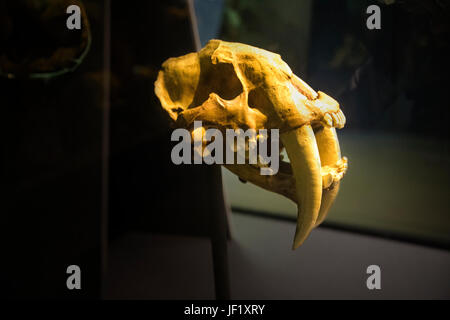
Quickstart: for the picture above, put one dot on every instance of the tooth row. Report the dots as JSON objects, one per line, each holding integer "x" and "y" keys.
{"x": 334, "y": 119}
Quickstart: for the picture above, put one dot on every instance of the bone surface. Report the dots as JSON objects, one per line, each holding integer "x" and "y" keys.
{"x": 230, "y": 85}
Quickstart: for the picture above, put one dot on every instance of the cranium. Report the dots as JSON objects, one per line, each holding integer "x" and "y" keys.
{"x": 233, "y": 85}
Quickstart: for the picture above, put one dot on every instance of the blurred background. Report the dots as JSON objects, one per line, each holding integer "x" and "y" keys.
{"x": 87, "y": 177}
{"x": 391, "y": 84}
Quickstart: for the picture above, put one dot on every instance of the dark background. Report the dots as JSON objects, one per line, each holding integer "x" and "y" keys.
{"x": 85, "y": 155}
{"x": 59, "y": 205}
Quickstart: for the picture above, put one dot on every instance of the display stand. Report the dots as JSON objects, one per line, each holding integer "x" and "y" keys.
{"x": 219, "y": 222}
{"x": 219, "y": 226}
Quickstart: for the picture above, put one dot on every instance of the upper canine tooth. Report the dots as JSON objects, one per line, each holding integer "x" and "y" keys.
{"x": 328, "y": 197}
{"x": 304, "y": 156}
{"x": 330, "y": 155}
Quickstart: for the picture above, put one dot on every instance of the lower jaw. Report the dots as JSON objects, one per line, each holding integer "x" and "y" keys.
{"x": 330, "y": 155}
{"x": 308, "y": 151}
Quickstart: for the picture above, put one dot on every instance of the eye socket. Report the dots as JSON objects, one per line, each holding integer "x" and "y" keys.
{"x": 220, "y": 79}
{"x": 228, "y": 86}
{"x": 257, "y": 99}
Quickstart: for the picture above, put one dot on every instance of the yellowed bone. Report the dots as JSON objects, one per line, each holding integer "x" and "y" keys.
{"x": 230, "y": 85}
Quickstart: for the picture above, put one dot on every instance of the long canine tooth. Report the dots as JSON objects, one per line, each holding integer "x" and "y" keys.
{"x": 328, "y": 197}
{"x": 330, "y": 154}
{"x": 304, "y": 156}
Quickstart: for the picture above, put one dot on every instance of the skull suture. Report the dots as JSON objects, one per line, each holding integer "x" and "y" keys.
{"x": 233, "y": 85}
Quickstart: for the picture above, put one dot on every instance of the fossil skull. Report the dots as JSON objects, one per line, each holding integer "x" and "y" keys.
{"x": 232, "y": 85}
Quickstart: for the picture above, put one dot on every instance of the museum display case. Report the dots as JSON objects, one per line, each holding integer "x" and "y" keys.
{"x": 390, "y": 84}
{"x": 348, "y": 98}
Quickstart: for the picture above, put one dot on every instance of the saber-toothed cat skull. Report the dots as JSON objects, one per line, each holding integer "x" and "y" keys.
{"x": 236, "y": 86}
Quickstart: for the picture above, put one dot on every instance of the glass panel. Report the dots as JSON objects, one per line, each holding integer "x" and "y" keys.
{"x": 52, "y": 114}
{"x": 391, "y": 85}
